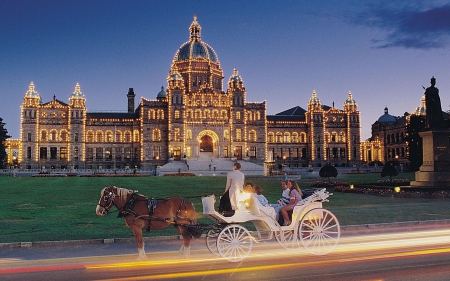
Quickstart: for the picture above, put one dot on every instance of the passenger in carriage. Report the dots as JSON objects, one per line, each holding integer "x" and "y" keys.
{"x": 295, "y": 195}
{"x": 249, "y": 187}
{"x": 235, "y": 183}
{"x": 261, "y": 198}
{"x": 283, "y": 201}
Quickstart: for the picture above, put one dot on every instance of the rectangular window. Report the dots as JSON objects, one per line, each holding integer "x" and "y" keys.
{"x": 176, "y": 135}
{"x": 156, "y": 152}
{"x": 63, "y": 152}
{"x": 177, "y": 114}
{"x": 28, "y": 152}
{"x": 108, "y": 154}
{"x": 76, "y": 137}
{"x": 53, "y": 152}
{"x": 29, "y": 136}
{"x": 118, "y": 153}
{"x": 252, "y": 152}
{"x": 304, "y": 153}
{"x": 127, "y": 152}
{"x": 136, "y": 153}
{"x": 225, "y": 151}
{"x": 279, "y": 153}
{"x": 90, "y": 153}
{"x": 43, "y": 153}
{"x": 98, "y": 153}
{"x": 286, "y": 153}
{"x": 295, "y": 153}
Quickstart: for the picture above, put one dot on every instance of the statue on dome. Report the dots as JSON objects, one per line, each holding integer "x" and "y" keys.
{"x": 434, "y": 118}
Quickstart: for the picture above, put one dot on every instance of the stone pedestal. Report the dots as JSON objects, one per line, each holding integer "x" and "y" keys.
{"x": 435, "y": 170}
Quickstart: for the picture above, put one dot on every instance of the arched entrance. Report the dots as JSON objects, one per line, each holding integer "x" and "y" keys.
{"x": 206, "y": 144}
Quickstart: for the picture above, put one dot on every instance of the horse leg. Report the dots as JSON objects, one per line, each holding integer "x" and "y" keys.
{"x": 139, "y": 243}
{"x": 186, "y": 247}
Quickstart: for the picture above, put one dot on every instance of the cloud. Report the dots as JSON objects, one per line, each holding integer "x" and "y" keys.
{"x": 413, "y": 26}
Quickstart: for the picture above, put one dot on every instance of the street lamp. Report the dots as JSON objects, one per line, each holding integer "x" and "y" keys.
{"x": 156, "y": 164}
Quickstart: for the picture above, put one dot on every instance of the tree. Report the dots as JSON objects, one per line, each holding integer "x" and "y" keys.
{"x": 3, "y": 136}
{"x": 328, "y": 171}
{"x": 389, "y": 170}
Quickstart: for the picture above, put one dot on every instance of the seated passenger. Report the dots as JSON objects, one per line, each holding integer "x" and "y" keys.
{"x": 261, "y": 198}
{"x": 283, "y": 201}
{"x": 295, "y": 194}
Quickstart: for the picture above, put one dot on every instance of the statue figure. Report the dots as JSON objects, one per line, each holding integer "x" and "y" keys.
{"x": 434, "y": 118}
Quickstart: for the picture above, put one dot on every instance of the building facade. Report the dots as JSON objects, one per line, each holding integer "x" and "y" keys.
{"x": 193, "y": 117}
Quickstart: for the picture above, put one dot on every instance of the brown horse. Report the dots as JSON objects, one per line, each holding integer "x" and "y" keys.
{"x": 141, "y": 213}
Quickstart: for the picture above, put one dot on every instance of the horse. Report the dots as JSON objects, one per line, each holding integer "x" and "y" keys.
{"x": 141, "y": 213}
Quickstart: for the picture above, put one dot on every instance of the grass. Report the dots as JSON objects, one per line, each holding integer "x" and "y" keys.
{"x": 53, "y": 209}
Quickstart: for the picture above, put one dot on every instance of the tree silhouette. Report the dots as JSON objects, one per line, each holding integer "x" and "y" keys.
{"x": 328, "y": 171}
{"x": 3, "y": 136}
{"x": 389, "y": 170}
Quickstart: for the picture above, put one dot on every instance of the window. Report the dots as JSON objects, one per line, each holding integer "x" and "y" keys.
{"x": 127, "y": 152}
{"x": 136, "y": 136}
{"x": 156, "y": 152}
{"x": 99, "y": 137}
{"x": 177, "y": 114}
{"x": 238, "y": 135}
{"x": 271, "y": 137}
{"x": 188, "y": 134}
{"x": 287, "y": 137}
{"x": 53, "y": 135}
{"x": 89, "y": 153}
{"x": 176, "y": 134}
{"x": 29, "y": 136}
{"x": 156, "y": 135}
{"x": 238, "y": 115}
{"x": 226, "y": 135}
{"x": 295, "y": 153}
{"x": 127, "y": 136}
{"x": 29, "y": 152}
{"x": 108, "y": 154}
{"x": 99, "y": 153}
{"x": 44, "y": 135}
{"x": 64, "y": 135}
{"x": 252, "y": 135}
{"x": 279, "y": 153}
{"x": 118, "y": 153}
{"x": 318, "y": 152}
{"x": 90, "y": 136}
{"x": 53, "y": 152}
{"x": 63, "y": 152}
{"x": 75, "y": 153}
{"x": 118, "y": 136}
{"x": 279, "y": 137}
{"x": 43, "y": 153}
{"x": 252, "y": 152}
{"x": 109, "y": 136}
{"x": 76, "y": 137}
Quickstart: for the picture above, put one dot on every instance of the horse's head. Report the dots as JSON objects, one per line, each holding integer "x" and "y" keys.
{"x": 106, "y": 201}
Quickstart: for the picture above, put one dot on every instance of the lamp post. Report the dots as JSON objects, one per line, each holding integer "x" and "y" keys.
{"x": 284, "y": 162}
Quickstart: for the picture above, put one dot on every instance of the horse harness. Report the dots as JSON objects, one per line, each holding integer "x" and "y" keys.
{"x": 151, "y": 205}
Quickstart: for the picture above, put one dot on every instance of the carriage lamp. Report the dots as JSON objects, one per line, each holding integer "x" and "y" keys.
{"x": 351, "y": 186}
{"x": 397, "y": 189}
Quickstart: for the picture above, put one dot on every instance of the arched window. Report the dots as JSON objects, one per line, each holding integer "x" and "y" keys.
{"x": 151, "y": 114}
{"x": 249, "y": 116}
{"x": 136, "y": 135}
{"x": 295, "y": 138}
{"x": 99, "y": 136}
{"x": 198, "y": 114}
{"x": 287, "y": 137}
{"x": 271, "y": 137}
{"x": 118, "y": 136}
{"x": 63, "y": 135}
{"x": 156, "y": 135}
{"x": 90, "y": 136}
{"x": 215, "y": 114}
{"x": 44, "y": 135}
{"x": 223, "y": 114}
{"x": 53, "y": 135}
{"x": 258, "y": 115}
{"x": 188, "y": 134}
{"x": 207, "y": 113}
{"x": 160, "y": 114}
{"x": 127, "y": 136}
{"x": 279, "y": 137}
{"x": 109, "y": 136}
{"x": 226, "y": 135}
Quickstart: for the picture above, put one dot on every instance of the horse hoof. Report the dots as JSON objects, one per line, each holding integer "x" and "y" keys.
{"x": 141, "y": 259}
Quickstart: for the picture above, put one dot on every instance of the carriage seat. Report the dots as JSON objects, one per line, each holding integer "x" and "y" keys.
{"x": 259, "y": 210}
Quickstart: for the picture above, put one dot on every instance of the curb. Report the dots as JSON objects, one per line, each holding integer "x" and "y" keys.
{"x": 348, "y": 229}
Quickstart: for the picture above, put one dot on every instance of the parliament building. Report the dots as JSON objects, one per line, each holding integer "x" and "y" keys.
{"x": 192, "y": 117}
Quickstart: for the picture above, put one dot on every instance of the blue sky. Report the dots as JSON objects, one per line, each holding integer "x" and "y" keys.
{"x": 381, "y": 51}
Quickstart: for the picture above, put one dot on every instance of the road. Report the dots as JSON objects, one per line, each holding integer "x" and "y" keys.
{"x": 422, "y": 254}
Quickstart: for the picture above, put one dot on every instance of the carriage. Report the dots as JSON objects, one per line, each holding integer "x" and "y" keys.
{"x": 314, "y": 228}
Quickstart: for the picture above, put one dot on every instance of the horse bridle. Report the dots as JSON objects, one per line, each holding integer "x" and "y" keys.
{"x": 107, "y": 197}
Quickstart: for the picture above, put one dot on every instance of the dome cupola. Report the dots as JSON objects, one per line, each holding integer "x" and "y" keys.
{"x": 195, "y": 48}
{"x": 162, "y": 94}
{"x": 421, "y": 110}
{"x": 386, "y": 117}
{"x": 77, "y": 94}
{"x": 235, "y": 80}
{"x": 314, "y": 101}
{"x": 31, "y": 93}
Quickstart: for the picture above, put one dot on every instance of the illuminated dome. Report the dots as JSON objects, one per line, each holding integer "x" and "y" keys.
{"x": 350, "y": 100}
{"x": 386, "y": 117}
{"x": 314, "y": 99}
{"x": 421, "y": 110}
{"x": 31, "y": 93}
{"x": 77, "y": 93}
{"x": 162, "y": 94}
{"x": 195, "y": 48}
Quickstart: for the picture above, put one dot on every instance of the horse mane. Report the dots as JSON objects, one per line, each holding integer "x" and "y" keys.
{"x": 123, "y": 191}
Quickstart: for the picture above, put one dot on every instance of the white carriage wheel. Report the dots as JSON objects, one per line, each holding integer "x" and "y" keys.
{"x": 211, "y": 238}
{"x": 234, "y": 243}
{"x": 319, "y": 231}
{"x": 287, "y": 237}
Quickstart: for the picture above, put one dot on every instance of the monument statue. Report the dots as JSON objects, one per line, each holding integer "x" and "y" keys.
{"x": 434, "y": 118}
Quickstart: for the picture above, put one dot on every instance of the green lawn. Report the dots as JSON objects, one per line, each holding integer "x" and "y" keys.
{"x": 52, "y": 209}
